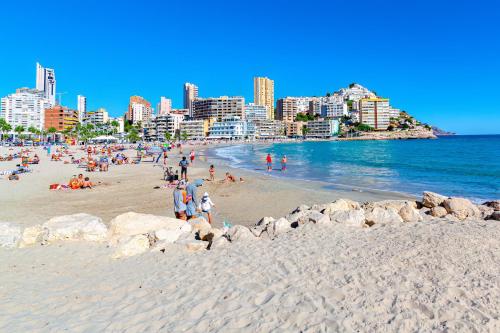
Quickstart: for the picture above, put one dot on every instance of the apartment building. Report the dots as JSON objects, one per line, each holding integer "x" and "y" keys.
{"x": 60, "y": 117}
{"x": 218, "y": 108}
{"x": 374, "y": 112}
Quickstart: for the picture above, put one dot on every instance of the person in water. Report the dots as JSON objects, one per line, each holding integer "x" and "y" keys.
{"x": 269, "y": 161}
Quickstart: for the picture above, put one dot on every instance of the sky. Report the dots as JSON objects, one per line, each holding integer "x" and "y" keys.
{"x": 439, "y": 60}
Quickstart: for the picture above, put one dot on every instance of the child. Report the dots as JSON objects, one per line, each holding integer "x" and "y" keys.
{"x": 211, "y": 171}
{"x": 206, "y": 206}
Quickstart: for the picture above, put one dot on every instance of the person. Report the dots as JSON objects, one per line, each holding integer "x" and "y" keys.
{"x": 165, "y": 155}
{"x": 73, "y": 183}
{"x": 103, "y": 163}
{"x": 211, "y": 171}
{"x": 89, "y": 152}
{"x": 184, "y": 167}
{"x": 283, "y": 163}
{"x": 87, "y": 183}
{"x": 179, "y": 201}
{"x": 191, "y": 200}
{"x": 36, "y": 159}
{"x": 230, "y": 178}
{"x": 191, "y": 157}
{"x": 206, "y": 206}
{"x": 81, "y": 180}
{"x": 269, "y": 161}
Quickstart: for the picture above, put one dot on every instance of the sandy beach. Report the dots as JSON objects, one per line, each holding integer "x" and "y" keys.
{"x": 432, "y": 275}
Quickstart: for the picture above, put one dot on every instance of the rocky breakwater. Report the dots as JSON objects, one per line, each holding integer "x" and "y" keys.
{"x": 132, "y": 234}
{"x": 418, "y": 133}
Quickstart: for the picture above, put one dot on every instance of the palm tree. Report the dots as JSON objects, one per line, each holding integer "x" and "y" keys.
{"x": 115, "y": 124}
{"x": 184, "y": 135}
{"x": 32, "y": 130}
{"x": 305, "y": 130}
{"x": 133, "y": 135}
{"x": 168, "y": 136}
{"x": 4, "y": 127}
{"x": 19, "y": 129}
{"x": 53, "y": 131}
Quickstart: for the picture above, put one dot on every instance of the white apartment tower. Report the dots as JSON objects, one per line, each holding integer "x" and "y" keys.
{"x": 164, "y": 107}
{"x": 82, "y": 107}
{"x": 46, "y": 82}
{"x": 190, "y": 94}
{"x": 26, "y": 107}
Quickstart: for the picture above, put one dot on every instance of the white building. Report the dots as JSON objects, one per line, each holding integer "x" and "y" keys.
{"x": 190, "y": 93}
{"x": 121, "y": 123}
{"x": 322, "y": 128}
{"x": 333, "y": 107}
{"x": 46, "y": 82}
{"x": 374, "y": 112}
{"x": 100, "y": 116}
{"x": 255, "y": 112}
{"x": 229, "y": 128}
{"x": 267, "y": 129}
{"x": 156, "y": 128}
{"x": 138, "y": 112}
{"x": 195, "y": 129}
{"x": 25, "y": 108}
{"x": 81, "y": 107}
{"x": 164, "y": 107}
{"x": 394, "y": 113}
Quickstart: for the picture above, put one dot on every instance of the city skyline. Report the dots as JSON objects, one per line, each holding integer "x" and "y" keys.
{"x": 426, "y": 69}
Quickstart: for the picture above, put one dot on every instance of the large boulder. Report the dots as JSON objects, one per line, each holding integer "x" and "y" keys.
{"x": 409, "y": 214}
{"x": 485, "y": 211}
{"x": 10, "y": 234}
{"x": 495, "y": 204}
{"x": 314, "y": 217}
{"x": 133, "y": 246}
{"x": 461, "y": 208}
{"x": 438, "y": 211}
{"x": 240, "y": 233}
{"x": 218, "y": 243}
{"x": 355, "y": 218}
{"x": 494, "y": 216}
{"x": 380, "y": 215}
{"x": 340, "y": 204}
{"x": 431, "y": 199}
{"x": 34, "y": 235}
{"x": 389, "y": 204}
{"x": 131, "y": 224}
{"x": 201, "y": 226}
{"x": 75, "y": 227}
{"x": 278, "y": 227}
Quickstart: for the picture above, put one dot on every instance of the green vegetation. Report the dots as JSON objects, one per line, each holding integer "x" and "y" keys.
{"x": 305, "y": 130}
{"x": 133, "y": 134}
{"x": 304, "y": 117}
{"x": 352, "y": 85}
{"x": 364, "y": 128}
{"x": 168, "y": 136}
{"x": 184, "y": 136}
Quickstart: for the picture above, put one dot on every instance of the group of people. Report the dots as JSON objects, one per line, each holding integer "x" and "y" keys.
{"x": 186, "y": 204}
{"x": 269, "y": 162}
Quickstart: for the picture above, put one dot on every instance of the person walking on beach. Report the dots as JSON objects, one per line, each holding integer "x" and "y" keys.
{"x": 206, "y": 206}
{"x": 283, "y": 163}
{"x": 211, "y": 171}
{"x": 191, "y": 157}
{"x": 269, "y": 161}
{"x": 191, "y": 198}
{"x": 184, "y": 167}
{"x": 180, "y": 201}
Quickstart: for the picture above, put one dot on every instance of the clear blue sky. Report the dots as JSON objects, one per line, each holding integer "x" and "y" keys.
{"x": 439, "y": 60}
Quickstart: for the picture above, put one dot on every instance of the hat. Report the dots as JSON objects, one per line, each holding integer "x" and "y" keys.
{"x": 181, "y": 184}
{"x": 205, "y": 194}
{"x": 198, "y": 182}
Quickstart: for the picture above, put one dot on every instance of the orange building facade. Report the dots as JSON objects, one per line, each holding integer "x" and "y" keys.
{"x": 60, "y": 117}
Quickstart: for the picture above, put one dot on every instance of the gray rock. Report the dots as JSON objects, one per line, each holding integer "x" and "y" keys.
{"x": 431, "y": 199}
{"x": 34, "y": 235}
{"x": 355, "y": 218}
{"x": 135, "y": 245}
{"x": 76, "y": 227}
{"x": 314, "y": 217}
{"x": 278, "y": 227}
{"x": 240, "y": 233}
{"x": 10, "y": 234}
{"x": 301, "y": 208}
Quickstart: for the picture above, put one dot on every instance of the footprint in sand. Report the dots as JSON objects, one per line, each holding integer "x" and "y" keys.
{"x": 264, "y": 297}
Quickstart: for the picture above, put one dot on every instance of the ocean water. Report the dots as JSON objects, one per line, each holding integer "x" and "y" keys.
{"x": 467, "y": 166}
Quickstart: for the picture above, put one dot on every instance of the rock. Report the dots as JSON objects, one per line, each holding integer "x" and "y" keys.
{"x": 201, "y": 226}
{"x": 136, "y": 245}
{"x": 265, "y": 221}
{"x": 431, "y": 199}
{"x": 355, "y": 218}
{"x": 495, "y": 204}
{"x": 218, "y": 233}
{"x": 34, "y": 235}
{"x": 379, "y": 215}
{"x": 294, "y": 217}
{"x": 219, "y": 243}
{"x": 461, "y": 208}
{"x": 319, "y": 208}
{"x": 495, "y": 216}
{"x": 10, "y": 234}
{"x": 195, "y": 245}
{"x": 485, "y": 211}
{"x": 131, "y": 224}
{"x": 301, "y": 208}
{"x": 314, "y": 217}
{"x": 340, "y": 204}
{"x": 76, "y": 227}
{"x": 386, "y": 204}
{"x": 438, "y": 211}
{"x": 240, "y": 233}
{"x": 278, "y": 227}
{"x": 409, "y": 214}
{"x": 167, "y": 235}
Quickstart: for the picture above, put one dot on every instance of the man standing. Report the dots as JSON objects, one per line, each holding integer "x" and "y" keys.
{"x": 269, "y": 162}
{"x": 180, "y": 201}
{"x": 184, "y": 167}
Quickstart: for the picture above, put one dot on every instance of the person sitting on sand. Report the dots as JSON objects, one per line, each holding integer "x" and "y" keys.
{"x": 81, "y": 180}
{"x": 36, "y": 159}
{"x": 74, "y": 183}
{"x": 211, "y": 171}
{"x": 87, "y": 183}
{"x": 206, "y": 206}
{"x": 91, "y": 165}
{"x": 229, "y": 178}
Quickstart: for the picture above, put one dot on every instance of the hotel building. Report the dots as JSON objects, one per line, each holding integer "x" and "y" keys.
{"x": 60, "y": 117}
{"x": 139, "y": 110}
{"x": 46, "y": 82}
{"x": 26, "y": 107}
{"x": 190, "y": 93}
{"x": 374, "y": 112}
{"x": 218, "y": 108}
{"x": 255, "y": 112}
{"x": 288, "y": 107}
{"x": 82, "y": 107}
{"x": 263, "y": 94}
{"x": 164, "y": 107}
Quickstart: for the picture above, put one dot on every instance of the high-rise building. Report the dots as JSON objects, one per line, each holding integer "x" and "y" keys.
{"x": 46, "y": 82}
{"x": 288, "y": 107}
{"x": 263, "y": 94}
{"x": 164, "y": 107}
{"x": 60, "y": 117}
{"x": 256, "y": 112}
{"x": 333, "y": 107}
{"x": 218, "y": 108}
{"x": 81, "y": 107}
{"x": 139, "y": 109}
{"x": 190, "y": 94}
{"x": 26, "y": 107}
{"x": 375, "y": 112}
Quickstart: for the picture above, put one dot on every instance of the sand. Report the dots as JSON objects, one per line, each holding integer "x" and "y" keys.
{"x": 426, "y": 276}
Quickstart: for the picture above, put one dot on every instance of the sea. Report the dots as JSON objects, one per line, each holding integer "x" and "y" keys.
{"x": 462, "y": 165}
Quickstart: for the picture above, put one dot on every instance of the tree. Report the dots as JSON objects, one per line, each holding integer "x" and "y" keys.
{"x": 328, "y": 94}
{"x": 53, "y": 131}
{"x": 133, "y": 135}
{"x": 364, "y": 128}
{"x": 4, "y": 127}
{"x": 305, "y": 130}
{"x": 352, "y": 85}
{"x": 115, "y": 124}
{"x": 19, "y": 129}
{"x": 184, "y": 135}
{"x": 168, "y": 136}
{"x": 32, "y": 130}
{"x": 304, "y": 117}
